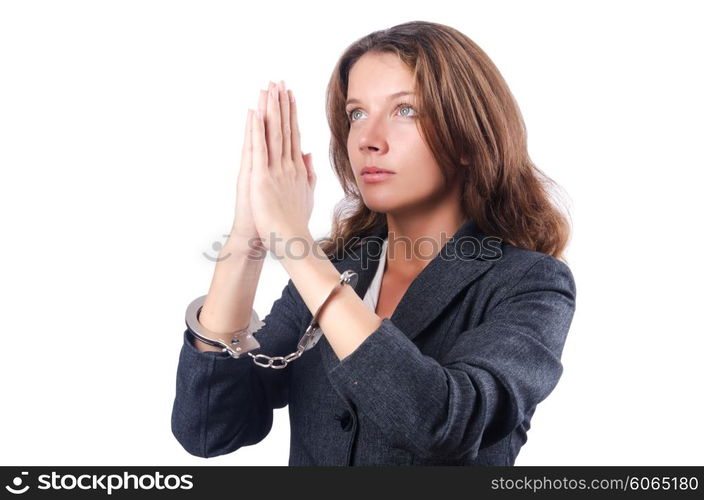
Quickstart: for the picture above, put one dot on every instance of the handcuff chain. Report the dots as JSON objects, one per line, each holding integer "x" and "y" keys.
{"x": 307, "y": 341}
{"x": 271, "y": 360}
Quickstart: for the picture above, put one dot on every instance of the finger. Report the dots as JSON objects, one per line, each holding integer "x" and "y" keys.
{"x": 261, "y": 106}
{"x": 285, "y": 125}
{"x": 295, "y": 132}
{"x": 273, "y": 128}
{"x": 260, "y": 159}
{"x": 246, "y": 159}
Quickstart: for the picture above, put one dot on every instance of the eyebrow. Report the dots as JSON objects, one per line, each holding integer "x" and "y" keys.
{"x": 388, "y": 98}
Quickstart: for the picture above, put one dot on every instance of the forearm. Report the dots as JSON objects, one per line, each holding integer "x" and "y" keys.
{"x": 228, "y": 306}
{"x": 345, "y": 320}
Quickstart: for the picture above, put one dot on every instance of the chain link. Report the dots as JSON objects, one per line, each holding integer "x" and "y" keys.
{"x": 271, "y": 360}
{"x": 309, "y": 339}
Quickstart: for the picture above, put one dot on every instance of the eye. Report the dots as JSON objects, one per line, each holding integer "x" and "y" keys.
{"x": 350, "y": 115}
{"x": 407, "y": 106}
{"x": 403, "y": 105}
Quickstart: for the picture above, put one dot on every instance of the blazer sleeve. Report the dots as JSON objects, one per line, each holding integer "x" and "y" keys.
{"x": 480, "y": 388}
{"x": 223, "y": 403}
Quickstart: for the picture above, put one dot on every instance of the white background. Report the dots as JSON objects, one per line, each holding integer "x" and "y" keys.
{"x": 121, "y": 125}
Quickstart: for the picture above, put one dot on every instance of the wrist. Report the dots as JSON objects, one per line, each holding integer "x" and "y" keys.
{"x": 240, "y": 246}
{"x": 293, "y": 244}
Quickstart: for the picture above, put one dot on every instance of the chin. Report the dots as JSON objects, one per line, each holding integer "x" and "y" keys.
{"x": 380, "y": 205}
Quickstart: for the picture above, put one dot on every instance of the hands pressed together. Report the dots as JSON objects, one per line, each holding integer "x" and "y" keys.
{"x": 276, "y": 181}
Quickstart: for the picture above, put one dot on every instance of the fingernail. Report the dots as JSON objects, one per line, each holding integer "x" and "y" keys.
{"x": 290, "y": 96}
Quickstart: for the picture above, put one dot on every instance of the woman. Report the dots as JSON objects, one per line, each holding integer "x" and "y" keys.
{"x": 441, "y": 351}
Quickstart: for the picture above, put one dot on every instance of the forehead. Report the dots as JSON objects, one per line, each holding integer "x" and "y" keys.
{"x": 376, "y": 74}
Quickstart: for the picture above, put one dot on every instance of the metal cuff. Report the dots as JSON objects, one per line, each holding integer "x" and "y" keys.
{"x": 242, "y": 340}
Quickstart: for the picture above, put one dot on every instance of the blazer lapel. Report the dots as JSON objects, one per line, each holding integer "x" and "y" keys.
{"x": 457, "y": 265}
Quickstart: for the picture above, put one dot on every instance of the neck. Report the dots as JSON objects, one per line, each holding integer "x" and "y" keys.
{"x": 415, "y": 240}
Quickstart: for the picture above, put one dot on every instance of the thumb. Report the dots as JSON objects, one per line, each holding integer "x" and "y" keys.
{"x": 308, "y": 160}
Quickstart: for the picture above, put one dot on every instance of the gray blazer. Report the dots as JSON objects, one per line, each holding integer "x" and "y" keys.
{"x": 452, "y": 378}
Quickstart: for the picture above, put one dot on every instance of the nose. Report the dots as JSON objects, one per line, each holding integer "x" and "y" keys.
{"x": 372, "y": 135}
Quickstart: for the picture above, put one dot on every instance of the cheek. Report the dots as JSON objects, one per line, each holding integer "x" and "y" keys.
{"x": 353, "y": 152}
{"x": 420, "y": 160}
{"x": 422, "y": 178}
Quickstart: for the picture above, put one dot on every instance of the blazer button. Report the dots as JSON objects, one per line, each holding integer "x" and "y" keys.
{"x": 345, "y": 419}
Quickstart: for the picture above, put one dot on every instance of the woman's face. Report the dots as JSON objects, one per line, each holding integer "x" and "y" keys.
{"x": 385, "y": 133}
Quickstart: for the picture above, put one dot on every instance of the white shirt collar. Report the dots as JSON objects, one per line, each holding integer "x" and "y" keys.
{"x": 371, "y": 297}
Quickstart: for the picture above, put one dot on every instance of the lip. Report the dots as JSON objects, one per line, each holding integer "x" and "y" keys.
{"x": 376, "y": 177}
{"x": 372, "y": 174}
{"x": 371, "y": 169}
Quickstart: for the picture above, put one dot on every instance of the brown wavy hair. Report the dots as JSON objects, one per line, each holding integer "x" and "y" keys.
{"x": 473, "y": 127}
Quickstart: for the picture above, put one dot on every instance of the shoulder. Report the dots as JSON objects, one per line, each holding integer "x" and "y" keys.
{"x": 514, "y": 266}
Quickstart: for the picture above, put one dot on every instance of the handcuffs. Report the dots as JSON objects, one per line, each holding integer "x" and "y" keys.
{"x": 243, "y": 341}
